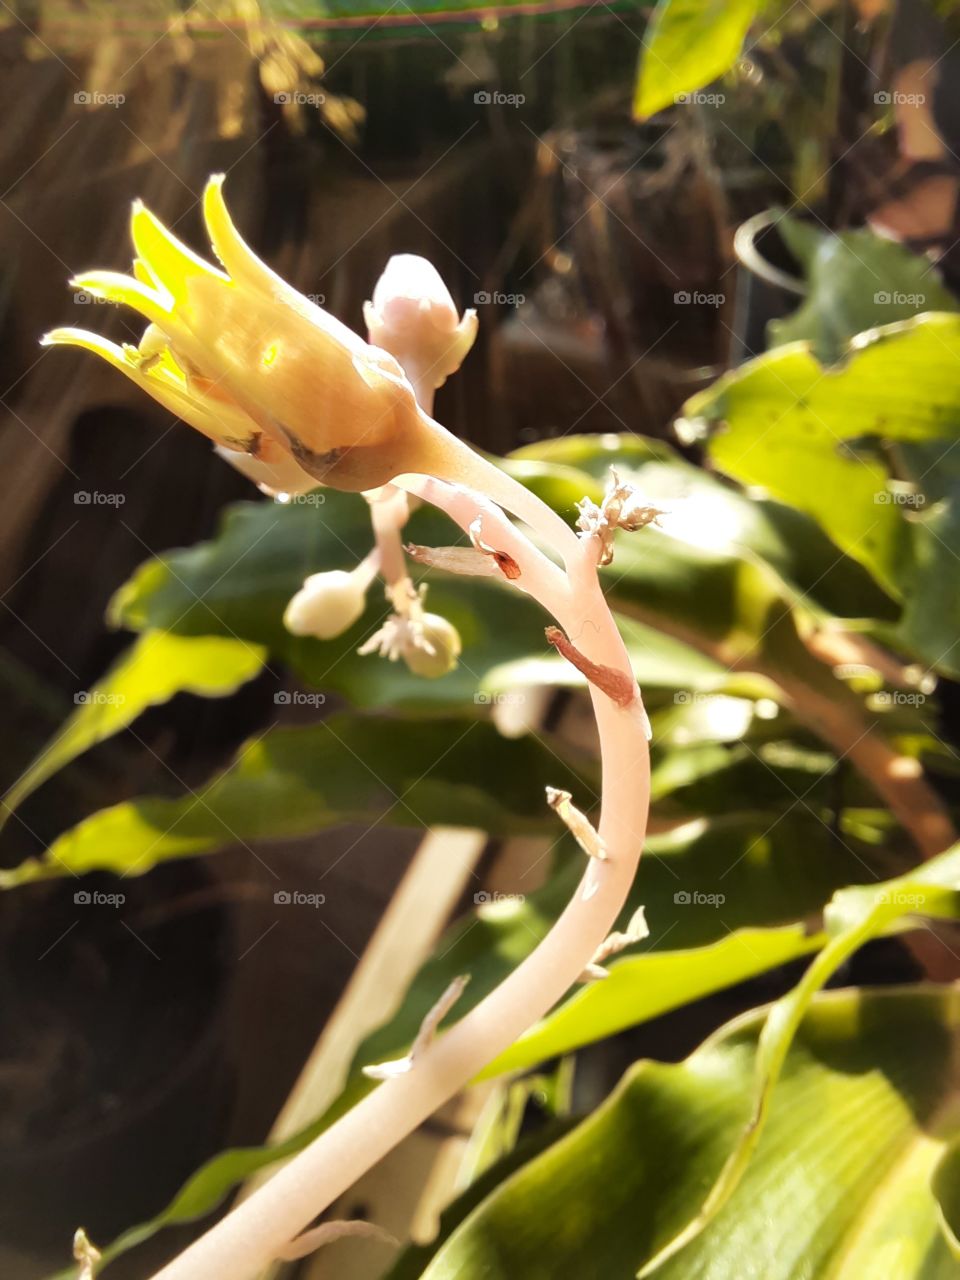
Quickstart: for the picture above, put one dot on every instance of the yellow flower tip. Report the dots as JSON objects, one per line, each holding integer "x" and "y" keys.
{"x": 238, "y": 258}
{"x": 165, "y": 257}
{"x": 69, "y": 337}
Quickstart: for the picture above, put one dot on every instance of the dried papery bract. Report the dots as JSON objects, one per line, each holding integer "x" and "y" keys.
{"x": 424, "y": 1038}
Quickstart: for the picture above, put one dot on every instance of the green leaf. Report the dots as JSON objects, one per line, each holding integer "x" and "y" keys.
{"x": 157, "y": 666}
{"x": 839, "y": 1185}
{"x": 688, "y": 44}
{"x": 707, "y": 513}
{"x": 291, "y": 782}
{"x": 946, "y": 1188}
{"x": 642, "y": 987}
{"x": 787, "y": 423}
{"x": 930, "y": 625}
{"x": 855, "y": 281}
{"x": 853, "y": 917}
{"x": 240, "y": 582}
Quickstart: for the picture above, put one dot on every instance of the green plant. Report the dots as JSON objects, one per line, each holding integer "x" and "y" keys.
{"x": 786, "y": 613}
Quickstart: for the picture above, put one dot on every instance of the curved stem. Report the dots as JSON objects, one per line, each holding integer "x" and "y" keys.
{"x": 455, "y": 461}
{"x": 254, "y": 1232}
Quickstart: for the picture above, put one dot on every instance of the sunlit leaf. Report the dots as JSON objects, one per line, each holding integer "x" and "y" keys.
{"x": 291, "y": 782}
{"x": 157, "y": 666}
{"x": 855, "y": 281}
{"x": 839, "y": 1185}
{"x": 688, "y": 44}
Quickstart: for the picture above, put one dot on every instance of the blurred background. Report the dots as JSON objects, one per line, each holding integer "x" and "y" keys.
{"x": 599, "y": 251}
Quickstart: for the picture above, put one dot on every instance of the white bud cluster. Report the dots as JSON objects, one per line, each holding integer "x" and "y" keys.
{"x": 623, "y": 507}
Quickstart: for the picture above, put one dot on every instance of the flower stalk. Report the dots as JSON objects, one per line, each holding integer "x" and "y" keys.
{"x": 292, "y": 394}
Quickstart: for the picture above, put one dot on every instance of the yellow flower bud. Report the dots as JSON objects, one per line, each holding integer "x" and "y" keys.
{"x": 434, "y": 650}
{"x": 247, "y": 360}
{"x": 327, "y": 604}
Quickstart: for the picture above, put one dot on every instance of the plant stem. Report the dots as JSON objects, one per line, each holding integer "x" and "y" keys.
{"x": 254, "y": 1233}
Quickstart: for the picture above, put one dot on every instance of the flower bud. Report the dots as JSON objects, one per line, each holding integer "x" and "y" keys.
{"x": 434, "y": 650}
{"x": 413, "y": 317}
{"x": 326, "y": 605}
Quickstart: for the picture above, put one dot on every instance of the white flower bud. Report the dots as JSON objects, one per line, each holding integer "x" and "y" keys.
{"x": 434, "y": 649}
{"x": 327, "y": 604}
{"x": 413, "y": 316}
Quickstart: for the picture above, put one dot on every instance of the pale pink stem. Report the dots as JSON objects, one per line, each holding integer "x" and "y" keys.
{"x": 255, "y": 1232}
{"x": 389, "y": 511}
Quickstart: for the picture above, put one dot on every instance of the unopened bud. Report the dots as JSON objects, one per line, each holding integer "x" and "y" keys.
{"x": 326, "y": 605}
{"x": 434, "y": 650}
{"x": 413, "y": 316}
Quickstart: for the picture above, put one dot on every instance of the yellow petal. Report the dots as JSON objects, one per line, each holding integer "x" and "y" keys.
{"x": 247, "y": 269}
{"x": 221, "y": 421}
{"x": 113, "y": 286}
{"x": 166, "y": 257}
